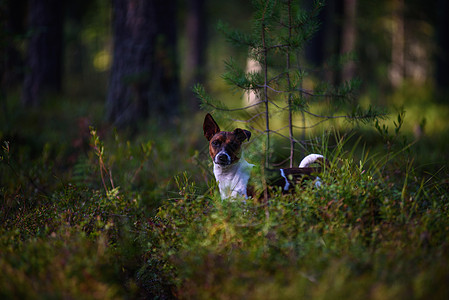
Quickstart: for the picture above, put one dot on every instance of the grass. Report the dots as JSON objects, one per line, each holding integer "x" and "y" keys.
{"x": 92, "y": 213}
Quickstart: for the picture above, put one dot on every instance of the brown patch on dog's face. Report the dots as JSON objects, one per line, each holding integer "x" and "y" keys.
{"x": 224, "y": 146}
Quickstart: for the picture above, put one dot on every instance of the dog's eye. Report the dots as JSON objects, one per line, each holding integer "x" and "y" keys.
{"x": 216, "y": 143}
{"x": 234, "y": 145}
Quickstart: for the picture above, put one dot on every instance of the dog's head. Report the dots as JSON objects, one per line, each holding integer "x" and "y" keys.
{"x": 224, "y": 146}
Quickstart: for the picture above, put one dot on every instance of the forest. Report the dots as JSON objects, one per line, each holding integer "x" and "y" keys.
{"x": 107, "y": 188}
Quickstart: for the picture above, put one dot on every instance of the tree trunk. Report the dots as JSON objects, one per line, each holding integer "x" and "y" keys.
{"x": 348, "y": 37}
{"x": 442, "y": 55}
{"x": 144, "y": 75}
{"x": 325, "y": 42}
{"x": 12, "y": 25}
{"x": 397, "y": 45}
{"x": 44, "y": 56}
{"x": 196, "y": 38}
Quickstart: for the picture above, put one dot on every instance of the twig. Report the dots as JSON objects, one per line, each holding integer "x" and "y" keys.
{"x": 290, "y": 96}
{"x": 337, "y": 117}
{"x": 250, "y": 119}
{"x": 282, "y": 162}
{"x": 234, "y": 109}
{"x": 304, "y": 91}
{"x": 310, "y": 126}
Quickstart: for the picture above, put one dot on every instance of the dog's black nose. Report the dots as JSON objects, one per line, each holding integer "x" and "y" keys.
{"x": 223, "y": 159}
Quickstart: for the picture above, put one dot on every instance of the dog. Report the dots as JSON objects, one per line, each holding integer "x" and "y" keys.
{"x": 232, "y": 171}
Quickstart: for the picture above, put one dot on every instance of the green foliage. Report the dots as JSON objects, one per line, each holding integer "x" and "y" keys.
{"x": 73, "y": 201}
{"x": 280, "y": 30}
{"x": 116, "y": 223}
{"x": 237, "y": 77}
{"x": 363, "y": 231}
{"x": 93, "y": 213}
{"x": 393, "y": 141}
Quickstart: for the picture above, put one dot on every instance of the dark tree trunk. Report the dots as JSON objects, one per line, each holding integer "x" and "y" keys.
{"x": 144, "y": 75}
{"x": 442, "y": 55}
{"x": 397, "y": 67}
{"x": 325, "y": 42}
{"x": 44, "y": 56}
{"x": 12, "y": 25}
{"x": 196, "y": 33}
{"x": 348, "y": 37}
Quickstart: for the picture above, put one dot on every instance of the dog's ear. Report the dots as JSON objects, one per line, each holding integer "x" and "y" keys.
{"x": 242, "y": 134}
{"x": 210, "y": 127}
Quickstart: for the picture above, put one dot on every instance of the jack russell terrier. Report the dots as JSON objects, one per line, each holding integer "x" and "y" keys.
{"x": 232, "y": 171}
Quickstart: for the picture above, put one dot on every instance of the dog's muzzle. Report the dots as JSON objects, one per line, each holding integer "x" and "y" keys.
{"x": 222, "y": 158}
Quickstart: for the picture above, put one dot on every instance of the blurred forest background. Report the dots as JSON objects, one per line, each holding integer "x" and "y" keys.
{"x": 98, "y": 121}
{"x": 121, "y": 62}
{"x": 125, "y": 61}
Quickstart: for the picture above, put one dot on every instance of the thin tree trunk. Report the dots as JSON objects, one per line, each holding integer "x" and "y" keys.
{"x": 44, "y": 56}
{"x": 252, "y": 96}
{"x": 397, "y": 45}
{"x": 290, "y": 93}
{"x": 12, "y": 25}
{"x": 325, "y": 42}
{"x": 196, "y": 36}
{"x": 442, "y": 57}
{"x": 348, "y": 37}
{"x": 265, "y": 97}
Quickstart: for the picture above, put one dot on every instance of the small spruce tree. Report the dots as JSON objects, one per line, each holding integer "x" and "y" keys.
{"x": 280, "y": 32}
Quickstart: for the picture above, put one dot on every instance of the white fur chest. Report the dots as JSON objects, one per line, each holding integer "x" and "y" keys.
{"x": 233, "y": 179}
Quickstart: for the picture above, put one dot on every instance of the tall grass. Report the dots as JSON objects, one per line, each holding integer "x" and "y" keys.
{"x": 364, "y": 234}
{"x": 125, "y": 218}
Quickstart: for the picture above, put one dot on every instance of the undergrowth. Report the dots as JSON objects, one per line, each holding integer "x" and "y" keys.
{"x": 363, "y": 235}
{"x": 111, "y": 219}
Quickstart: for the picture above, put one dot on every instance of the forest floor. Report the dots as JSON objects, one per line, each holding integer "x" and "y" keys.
{"x": 95, "y": 213}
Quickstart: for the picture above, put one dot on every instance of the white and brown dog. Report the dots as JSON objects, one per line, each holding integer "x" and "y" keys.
{"x": 232, "y": 171}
